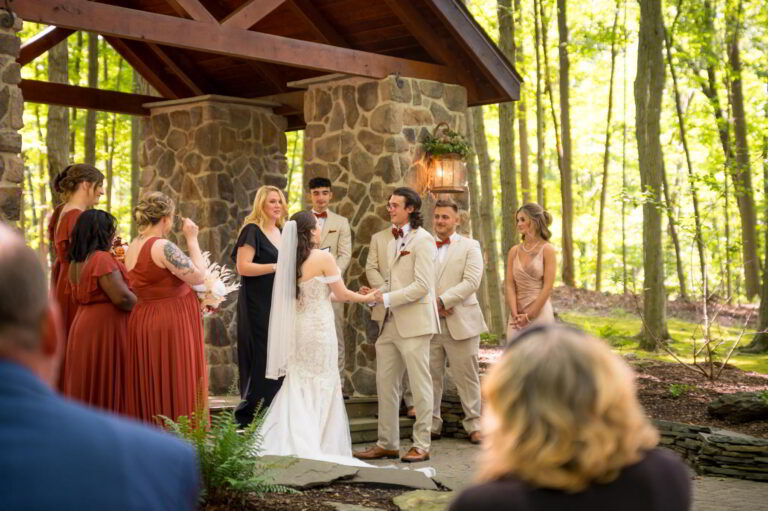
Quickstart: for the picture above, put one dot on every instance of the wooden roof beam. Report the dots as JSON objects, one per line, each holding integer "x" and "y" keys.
{"x": 41, "y": 43}
{"x": 50, "y": 93}
{"x": 146, "y": 71}
{"x": 421, "y": 31}
{"x": 317, "y": 22}
{"x": 181, "y": 33}
{"x": 250, "y": 13}
{"x": 174, "y": 68}
{"x": 192, "y": 8}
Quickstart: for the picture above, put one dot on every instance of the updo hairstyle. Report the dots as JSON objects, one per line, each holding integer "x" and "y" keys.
{"x": 67, "y": 181}
{"x": 151, "y": 209}
{"x": 540, "y": 217}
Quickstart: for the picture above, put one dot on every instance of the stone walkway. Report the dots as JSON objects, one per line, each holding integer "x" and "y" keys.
{"x": 454, "y": 461}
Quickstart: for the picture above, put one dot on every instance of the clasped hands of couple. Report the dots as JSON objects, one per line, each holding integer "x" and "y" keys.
{"x": 379, "y": 298}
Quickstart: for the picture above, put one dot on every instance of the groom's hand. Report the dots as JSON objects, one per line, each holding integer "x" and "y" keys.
{"x": 364, "y": 290}
{"x": 379, "y": 296}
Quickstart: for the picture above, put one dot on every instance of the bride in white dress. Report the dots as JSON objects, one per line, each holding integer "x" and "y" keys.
{"x": 307, "y": 418}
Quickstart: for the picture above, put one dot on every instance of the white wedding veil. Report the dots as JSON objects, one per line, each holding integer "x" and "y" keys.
{"x": 282, "y": 317}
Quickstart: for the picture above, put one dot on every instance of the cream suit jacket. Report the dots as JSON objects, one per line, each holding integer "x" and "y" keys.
{"x": 377, "y": 267}
{"x": 411, "y": 284}
{"x": 458, "y": 278}
{"x": 337, "y": 237}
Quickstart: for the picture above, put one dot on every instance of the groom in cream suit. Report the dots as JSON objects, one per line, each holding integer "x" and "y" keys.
{"x": 459, "y": 271}
{"x": 411, "y": 320}
{"x": 336, "y": 238}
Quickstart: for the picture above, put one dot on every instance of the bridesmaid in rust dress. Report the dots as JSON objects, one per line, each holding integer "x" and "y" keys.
{"x": 81, "y": 187}
{"x": 165, "y": 370}
{"x": 531, "y": 268}
{"x": 96, "y": 346}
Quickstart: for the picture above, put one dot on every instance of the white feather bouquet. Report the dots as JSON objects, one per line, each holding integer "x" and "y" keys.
{"x": 219, "y": 282}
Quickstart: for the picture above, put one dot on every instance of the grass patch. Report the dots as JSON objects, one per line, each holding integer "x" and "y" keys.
{"x": 619, "y": 330}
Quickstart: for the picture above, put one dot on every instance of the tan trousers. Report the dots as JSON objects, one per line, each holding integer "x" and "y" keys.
{"x": 464, "y": 369}
{"x": 395, "y": 355}
{"x": 338, "y": 318}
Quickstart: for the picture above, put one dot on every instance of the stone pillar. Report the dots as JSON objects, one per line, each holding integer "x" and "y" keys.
{"x": 211, "y": 154}
{"x": 364, "y": 135}
{"x": 11, "y": 121}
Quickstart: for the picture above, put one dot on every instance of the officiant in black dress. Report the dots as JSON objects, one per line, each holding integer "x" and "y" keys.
{"x": 255, "y": 256}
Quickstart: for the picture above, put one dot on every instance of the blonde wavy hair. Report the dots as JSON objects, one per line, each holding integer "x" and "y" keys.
{"x": 257, "y": 215}
{"x": 540, "y": 217}
{"x": 562, "y": 412}
{"x": 152, "y": 207}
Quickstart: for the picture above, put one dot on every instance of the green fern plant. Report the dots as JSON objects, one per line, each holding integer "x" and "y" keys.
{"x": 230, "y": 465}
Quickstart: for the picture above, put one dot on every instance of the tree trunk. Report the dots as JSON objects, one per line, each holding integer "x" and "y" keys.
{"x": 669, "y": 208}
{"x": 760, "y": 341}
{"x": 140, "y": 86}
{"x": 606, "y": 154}
{"x": 507, "y": 162}
{"x": 58, "y": 120}
{"x": 566, "y": 177}
{"x": 525, "y": 173}
{"x": 691, "y": 177}
{"x": 649, "y": 86}
{"x": 540, "y": 119}
{"x": 112, "y": 138}
{"x": 93, "y": 81}
{"x": 474, "y": 209}
{"x": 489, "y": 224}
{"x": 77, "y": 58}
{"x": 741, "y": 175}
{"x": 625, "y": 279}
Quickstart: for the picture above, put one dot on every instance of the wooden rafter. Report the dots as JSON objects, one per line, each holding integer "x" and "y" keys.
{"x": 421, "y": 30}
{"x": 177, "y": 32}
{"x": 174, "y": 68}
{"x": 250, "y": 13}
{"x": 147, "y": 72}
{"x": 476, "y": 42}
{"x": 51, "y": 93}
{"x": 317, "y": 22}
{"x": 41, "y": 43}
{"x": 192, "y": 8}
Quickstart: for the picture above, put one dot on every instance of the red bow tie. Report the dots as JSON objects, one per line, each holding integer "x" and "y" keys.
{"x": 324, "y": 214}
{"x": 397, "y": 232}
{"x": 439, "y": 243}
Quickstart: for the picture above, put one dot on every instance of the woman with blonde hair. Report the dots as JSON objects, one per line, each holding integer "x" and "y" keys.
{"x": 531, "y": 267}
{"x": 255, "y": 256}
{"x": 563, "y": 429}
{"x": 165, "y": 372}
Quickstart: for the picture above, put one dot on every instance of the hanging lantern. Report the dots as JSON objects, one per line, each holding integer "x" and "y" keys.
{"x": 446, "y": 151}
{"x": 448, "y": 173}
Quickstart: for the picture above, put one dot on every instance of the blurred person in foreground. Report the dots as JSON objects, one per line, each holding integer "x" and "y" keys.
{"x": 563, "y": 429}
{"x": 55, "y": 454}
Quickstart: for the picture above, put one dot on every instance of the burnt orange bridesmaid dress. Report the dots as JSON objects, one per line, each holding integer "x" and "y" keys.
{"x": 97, "y": 338}
{"x": 62, "y": 288}
{"x": 165, "y": 371}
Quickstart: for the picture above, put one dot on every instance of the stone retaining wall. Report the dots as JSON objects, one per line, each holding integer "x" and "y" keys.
{"x": 11, "y": 121}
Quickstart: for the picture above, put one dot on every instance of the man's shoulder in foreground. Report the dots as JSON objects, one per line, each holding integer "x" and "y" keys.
{"x": 55, "y": 453}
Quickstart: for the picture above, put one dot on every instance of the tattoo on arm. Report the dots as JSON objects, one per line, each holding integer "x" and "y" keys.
{"x": 177, "y": 258}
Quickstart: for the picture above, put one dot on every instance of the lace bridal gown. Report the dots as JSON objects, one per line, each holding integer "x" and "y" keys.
{"x": 307, "y": 417}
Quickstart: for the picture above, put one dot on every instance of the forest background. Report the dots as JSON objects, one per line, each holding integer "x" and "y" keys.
{"x": 570, "y": 144}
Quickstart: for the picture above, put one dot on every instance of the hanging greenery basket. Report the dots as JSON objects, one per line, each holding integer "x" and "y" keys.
{"x": 446, "y": 151}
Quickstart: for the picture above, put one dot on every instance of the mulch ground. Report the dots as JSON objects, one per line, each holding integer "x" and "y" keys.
{"x": 377, "y": 497}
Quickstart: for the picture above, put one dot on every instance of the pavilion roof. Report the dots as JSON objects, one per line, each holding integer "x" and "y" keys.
{"x": 262, "y": 48}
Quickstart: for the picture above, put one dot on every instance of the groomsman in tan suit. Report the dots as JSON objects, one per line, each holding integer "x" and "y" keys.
{"x": 377, "y": 273}
{"x": 335, "y": 237}
{"x": 411, "y": 320}
{"x": 459, "y": 271}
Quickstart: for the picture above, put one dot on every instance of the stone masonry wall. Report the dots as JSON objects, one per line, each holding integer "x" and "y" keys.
{"x": 364, "y": 135}
{"x": 11, "y": 121}
{"x": 211, "y": 154}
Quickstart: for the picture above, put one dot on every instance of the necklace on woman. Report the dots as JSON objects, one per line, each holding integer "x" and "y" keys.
{"x": 529, "y": 250}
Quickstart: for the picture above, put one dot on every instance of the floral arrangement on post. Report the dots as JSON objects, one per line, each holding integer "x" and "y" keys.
{"x": 219, "y": 282}
{"x": 118, "y": 249}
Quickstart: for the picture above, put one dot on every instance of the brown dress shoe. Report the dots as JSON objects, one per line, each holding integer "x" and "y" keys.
{"x": 474, "y": 437}
{"x": 435, "y": 436}
{"x": 411, "y": 412}
{"x": 415, "y": 455}
{"x": 376, "y": 453}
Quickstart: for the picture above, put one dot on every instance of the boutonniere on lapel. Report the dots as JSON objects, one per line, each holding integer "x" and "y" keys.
{"x": 404, "y": 253}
